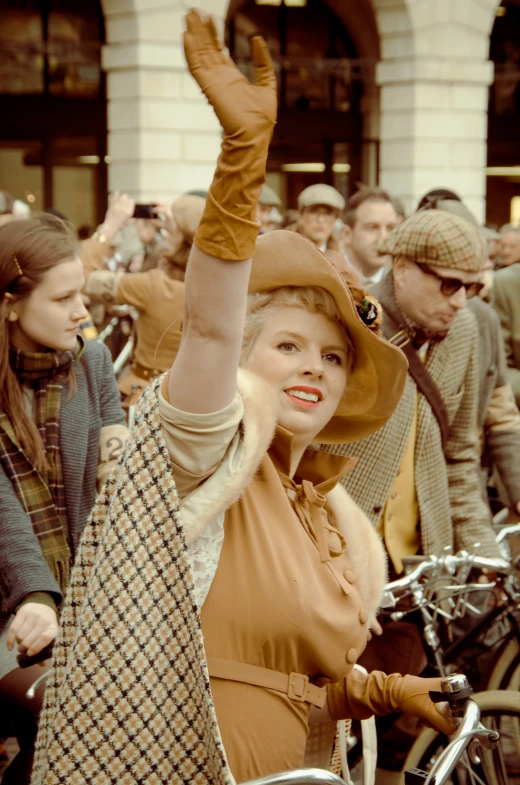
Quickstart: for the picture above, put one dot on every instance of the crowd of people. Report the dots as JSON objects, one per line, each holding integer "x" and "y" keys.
{"x": 318, "y": 395}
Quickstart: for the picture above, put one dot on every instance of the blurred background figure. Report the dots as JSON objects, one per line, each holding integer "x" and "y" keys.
{"x": 509, "y": 245}
{"x": 319, "y": 207}
{"x": 269, "y": 213}
{"x": 289, "y": 219}
{"x": 400, "y": 210}
{"x": 370, "y": 216}
{"x": 493, "y": 243}
{"x": 506, "y": 300}
{"x": 6, "y": 207}
{"x": 435, "y": 194}
{"x": 21, "y": 209}
{"x": 156, "y": 294}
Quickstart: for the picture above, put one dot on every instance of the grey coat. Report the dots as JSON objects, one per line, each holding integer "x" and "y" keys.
{"x": 95, "y": 404}
{"x": 498, "y": 416}
{"x": 506, "y": 296}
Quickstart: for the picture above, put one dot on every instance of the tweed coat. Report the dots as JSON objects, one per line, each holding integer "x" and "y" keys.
{"x": 94, "y": 404}
{"x": 452, "y": 510}
{"x": 506, "y": 296}
{"x": 498, "y": 416}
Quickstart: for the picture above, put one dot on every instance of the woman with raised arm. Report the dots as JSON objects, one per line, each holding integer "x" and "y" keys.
{"x": 228, "y": 547}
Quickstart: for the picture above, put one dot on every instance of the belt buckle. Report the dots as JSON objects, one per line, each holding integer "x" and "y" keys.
{"x": 297, "y": 688}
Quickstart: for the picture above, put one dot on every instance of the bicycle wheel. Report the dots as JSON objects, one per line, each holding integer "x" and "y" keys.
{"x": 506, "y": 670}
{"x": 501, "y": 712}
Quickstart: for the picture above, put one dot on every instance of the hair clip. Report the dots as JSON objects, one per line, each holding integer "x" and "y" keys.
{"x": 17, "y": 263}
{"x": 368, "y": 311}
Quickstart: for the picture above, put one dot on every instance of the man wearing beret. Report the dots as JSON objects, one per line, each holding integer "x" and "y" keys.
{"x": 319, "y": 207}
{"x": 418, "y": 477}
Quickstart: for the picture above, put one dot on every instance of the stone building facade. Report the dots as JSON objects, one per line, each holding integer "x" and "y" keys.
{"x": 428, "y": 107}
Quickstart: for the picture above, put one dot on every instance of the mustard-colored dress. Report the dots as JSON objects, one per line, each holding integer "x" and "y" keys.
{"x": 285, "y": 598}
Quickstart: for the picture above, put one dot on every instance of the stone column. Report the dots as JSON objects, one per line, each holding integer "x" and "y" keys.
{"x": 163, "y": 137}
{"x": 434, "y": 78}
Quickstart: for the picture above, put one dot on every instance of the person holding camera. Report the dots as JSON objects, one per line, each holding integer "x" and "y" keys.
{"x": 157, "y": 294}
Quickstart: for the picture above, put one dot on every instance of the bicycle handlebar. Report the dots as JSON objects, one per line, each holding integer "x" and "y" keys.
{"x": 462, "y": 738}
{"x": 451, "y": 562}
{"x": 507, "y": 531}
{"x": 299, "y": 777}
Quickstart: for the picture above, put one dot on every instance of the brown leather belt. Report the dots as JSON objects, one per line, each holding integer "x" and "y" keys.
{"x": 295, "y": 685}
{"x": 145, "y": 373}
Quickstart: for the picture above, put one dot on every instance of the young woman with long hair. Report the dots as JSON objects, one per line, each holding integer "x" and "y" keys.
{"x": 228, "y": 549}
{"x": 61, "y": 430}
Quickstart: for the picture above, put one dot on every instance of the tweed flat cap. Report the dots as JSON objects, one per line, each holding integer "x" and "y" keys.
{"x": 321, "y": 194}
{"x": 439, "y": 238}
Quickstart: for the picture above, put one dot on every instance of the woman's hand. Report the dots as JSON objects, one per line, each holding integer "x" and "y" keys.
{"x": 166, "y": 221}
{"x": 410, "y": 695}
{"x": 33, "y": 628}
{"x": 242, "y": 108}
{"x": 120, "y": 210}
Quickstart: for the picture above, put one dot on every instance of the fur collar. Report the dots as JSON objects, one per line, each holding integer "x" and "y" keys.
{"x": 227, "y": 483}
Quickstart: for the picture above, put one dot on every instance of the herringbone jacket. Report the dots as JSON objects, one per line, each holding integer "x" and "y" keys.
{"x": 452, "y": 510}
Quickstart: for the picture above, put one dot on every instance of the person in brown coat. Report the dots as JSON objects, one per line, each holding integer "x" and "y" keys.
{"x": 157, "y": 294}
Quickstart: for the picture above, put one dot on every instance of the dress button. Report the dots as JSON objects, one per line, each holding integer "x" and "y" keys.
{"x": 363, "y": 616}
{"x": 349, "y": 576}
{"x": 351, "y": 655}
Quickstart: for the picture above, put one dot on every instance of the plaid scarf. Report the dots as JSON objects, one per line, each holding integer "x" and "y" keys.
{"x": 42, "y": 493}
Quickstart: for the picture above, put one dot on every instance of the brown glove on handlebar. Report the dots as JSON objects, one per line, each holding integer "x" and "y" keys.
{"x": 247, "y": 114}
{"x": 361, "y": 695}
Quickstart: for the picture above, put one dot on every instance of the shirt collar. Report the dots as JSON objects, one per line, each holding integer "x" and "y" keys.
{"x": 322, "y": 469}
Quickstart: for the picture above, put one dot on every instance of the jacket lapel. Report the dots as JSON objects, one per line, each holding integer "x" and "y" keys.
{"x": 74, "y": 436}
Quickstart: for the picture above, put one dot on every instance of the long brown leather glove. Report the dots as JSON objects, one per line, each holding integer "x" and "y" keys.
{"x": 247, "y": 114}
{"x": 362, "y": 695}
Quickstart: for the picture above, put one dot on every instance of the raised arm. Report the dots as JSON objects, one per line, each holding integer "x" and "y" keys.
{"x": 203, "y": 377}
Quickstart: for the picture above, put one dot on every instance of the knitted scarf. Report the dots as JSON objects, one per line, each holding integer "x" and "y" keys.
{"x": 128, "y": 700}
{"x": 385, "y": 292}
{"x": 42, "y": 493}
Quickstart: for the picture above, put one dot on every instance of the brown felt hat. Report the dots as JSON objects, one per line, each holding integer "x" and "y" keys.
{"x": 377, "y": 378}
{"x": 439, "y": 238}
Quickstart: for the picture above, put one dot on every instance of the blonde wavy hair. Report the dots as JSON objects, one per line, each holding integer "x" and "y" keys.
{"x": 313, "y": 299}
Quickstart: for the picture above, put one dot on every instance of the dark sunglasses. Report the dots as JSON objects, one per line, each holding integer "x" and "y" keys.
{"x": 450, "y": 286}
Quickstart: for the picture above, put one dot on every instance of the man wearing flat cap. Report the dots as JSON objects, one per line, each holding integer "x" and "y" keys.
{"x": 268, "y": 210}
{"x": 319, "y": 207}
{"x": 418, "y": 477}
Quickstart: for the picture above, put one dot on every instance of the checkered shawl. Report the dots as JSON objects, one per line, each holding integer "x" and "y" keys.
{"x": 129, "y": 699}
{"x": 42, "y": 493}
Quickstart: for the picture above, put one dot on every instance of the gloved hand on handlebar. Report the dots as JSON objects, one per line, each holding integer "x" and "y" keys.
{"x": 361, "y": 695}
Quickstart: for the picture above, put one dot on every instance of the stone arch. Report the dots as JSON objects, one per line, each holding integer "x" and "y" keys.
{"x": 361, "y": 26}
{"x": 394, "y": 26}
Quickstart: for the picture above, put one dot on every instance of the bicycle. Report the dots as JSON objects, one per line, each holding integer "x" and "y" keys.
{"x": 439, "y": 589}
